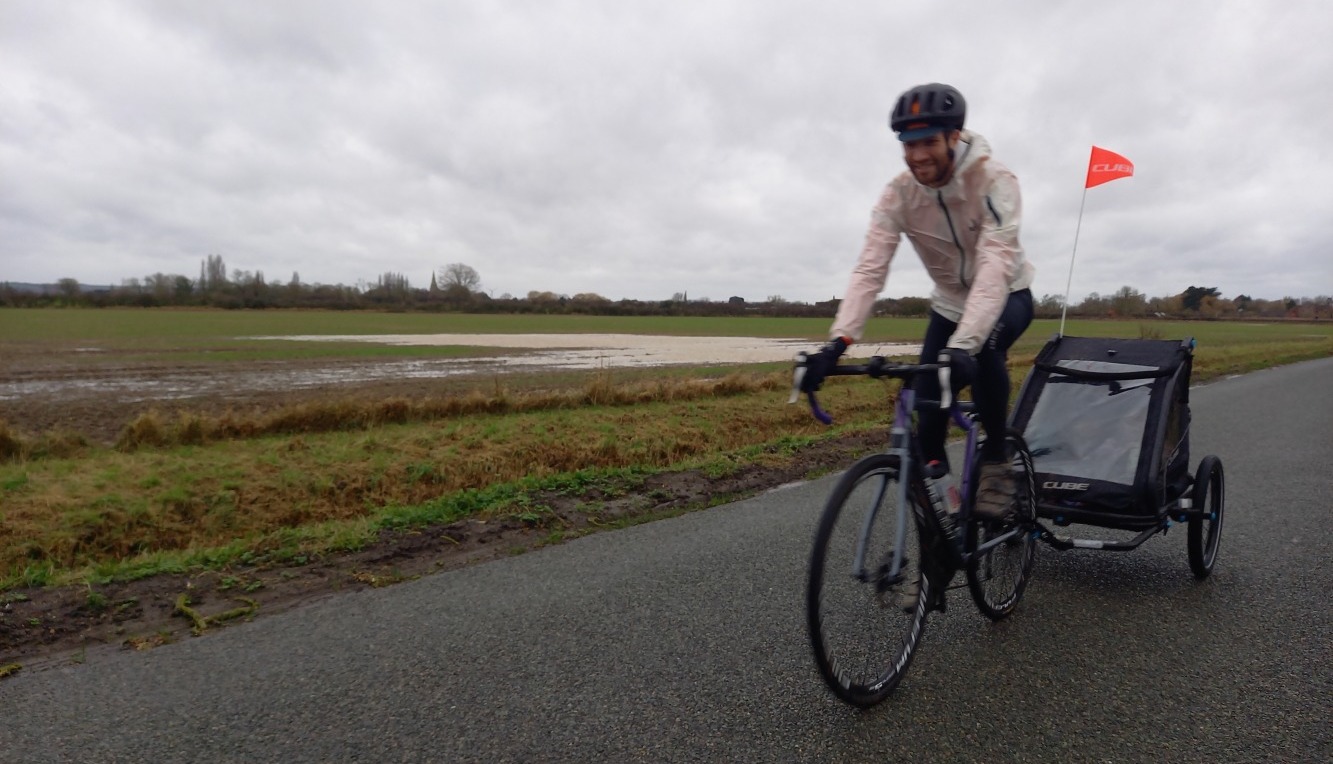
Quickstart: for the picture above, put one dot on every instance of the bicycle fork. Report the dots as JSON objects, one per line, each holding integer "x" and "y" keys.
{"x": 898, "y": 553}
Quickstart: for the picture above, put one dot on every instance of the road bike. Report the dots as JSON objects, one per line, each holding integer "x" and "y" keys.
{"x": 888, "y": 546}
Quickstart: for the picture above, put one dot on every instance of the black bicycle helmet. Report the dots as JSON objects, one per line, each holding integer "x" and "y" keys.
{"x": 927, "y": 109}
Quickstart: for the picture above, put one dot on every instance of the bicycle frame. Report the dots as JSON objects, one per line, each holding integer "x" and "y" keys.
{"x": 902, "y": 444}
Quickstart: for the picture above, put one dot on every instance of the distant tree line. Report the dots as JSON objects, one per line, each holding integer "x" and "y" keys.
{"x": 457, "y": 288}
{"x": 1194, "y": 302}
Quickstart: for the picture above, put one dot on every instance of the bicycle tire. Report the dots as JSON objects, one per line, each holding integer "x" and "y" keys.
{"x": 1205, "y": 527}
{"x": 998, "y": 577}
{"x": 852, "y": 616}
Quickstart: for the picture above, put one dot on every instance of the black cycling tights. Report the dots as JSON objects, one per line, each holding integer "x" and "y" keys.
{"x": 990, "y": 390}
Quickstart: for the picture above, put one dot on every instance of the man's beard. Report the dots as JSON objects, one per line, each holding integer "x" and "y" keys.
{"x": 938, "y": 173}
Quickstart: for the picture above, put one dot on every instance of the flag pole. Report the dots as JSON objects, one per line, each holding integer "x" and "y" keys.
{"x": 1070, "y": 280}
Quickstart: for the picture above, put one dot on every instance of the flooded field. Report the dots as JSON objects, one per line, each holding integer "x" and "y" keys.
{"x": 513, "y": 353}
{"x": 94, "y": 391}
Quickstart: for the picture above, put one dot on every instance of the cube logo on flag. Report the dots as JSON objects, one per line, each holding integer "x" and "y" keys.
{"x": 1105, "y": 166}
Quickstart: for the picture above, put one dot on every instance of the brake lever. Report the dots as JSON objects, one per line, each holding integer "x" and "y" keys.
{"x": 946, "y": 387}
{"x": 798, "y": 376}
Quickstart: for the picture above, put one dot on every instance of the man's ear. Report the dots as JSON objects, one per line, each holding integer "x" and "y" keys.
{"x": 951, "y": 142}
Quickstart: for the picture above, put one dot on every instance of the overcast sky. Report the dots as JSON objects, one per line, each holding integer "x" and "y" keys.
{"x": 637, "y": 149}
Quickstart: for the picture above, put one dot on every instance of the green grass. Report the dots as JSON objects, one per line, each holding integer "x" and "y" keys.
{"x": 1207, "y": 333}
{"x": 212, "y": 334}
{"x": 128, "y": 327}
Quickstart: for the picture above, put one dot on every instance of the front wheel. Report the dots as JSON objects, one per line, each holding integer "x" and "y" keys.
{"x": 1205, "y": 525}
{"x": 998, "y": 575}
{"x": 866, "y": 598}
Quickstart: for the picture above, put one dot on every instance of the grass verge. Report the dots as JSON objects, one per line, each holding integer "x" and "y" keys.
{"x": 125, "y": 513}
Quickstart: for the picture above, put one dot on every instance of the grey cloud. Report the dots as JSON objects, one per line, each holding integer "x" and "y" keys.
{"x": 641, "y": 149}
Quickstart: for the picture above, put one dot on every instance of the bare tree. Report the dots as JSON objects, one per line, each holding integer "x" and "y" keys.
{"x": 459, "y": 275}
{"x": 1128, "y": 301}
{"x": 1049, "y": 306}
{"x": 212, "y": 274}
{"x": 160, "y": 285}
{"x": 69, "y": 288}
{"x": 391, "y": 287}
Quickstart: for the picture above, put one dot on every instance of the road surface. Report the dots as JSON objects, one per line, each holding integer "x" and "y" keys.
{"x": 684, "y": 641}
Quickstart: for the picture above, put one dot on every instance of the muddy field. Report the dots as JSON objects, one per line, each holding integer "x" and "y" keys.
{"x": 98, "y": 399}
{"x": 96, "y": 392}
{"x": 93, "y": 392}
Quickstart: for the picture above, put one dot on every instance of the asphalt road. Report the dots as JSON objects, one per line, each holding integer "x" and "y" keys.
{"x": 683, "y": 640}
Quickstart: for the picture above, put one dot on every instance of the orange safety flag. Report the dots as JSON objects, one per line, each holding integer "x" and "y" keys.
{"x": 1106, "y": 166}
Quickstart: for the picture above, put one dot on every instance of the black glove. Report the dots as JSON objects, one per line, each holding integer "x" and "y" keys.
{"x": 819, "y": 363}
{"x": 962, "y": 367}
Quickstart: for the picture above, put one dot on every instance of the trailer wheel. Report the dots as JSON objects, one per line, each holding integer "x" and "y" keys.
{"x": 1205, "y": 525}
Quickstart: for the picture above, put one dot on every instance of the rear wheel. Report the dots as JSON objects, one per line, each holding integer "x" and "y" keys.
{"x": 997, "y": 576}
{"x": 866, "y": 598}
{"x": 1205, "y": 526}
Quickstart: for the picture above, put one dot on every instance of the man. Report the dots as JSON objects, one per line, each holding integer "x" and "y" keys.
{"x": 960, "y": 209}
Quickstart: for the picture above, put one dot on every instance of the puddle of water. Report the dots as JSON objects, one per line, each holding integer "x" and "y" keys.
{"x": 574, "y": 350}
{"x": 590, "y": 351}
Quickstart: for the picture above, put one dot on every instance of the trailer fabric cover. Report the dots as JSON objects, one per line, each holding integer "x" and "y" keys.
{"x": 1107, "y": 422}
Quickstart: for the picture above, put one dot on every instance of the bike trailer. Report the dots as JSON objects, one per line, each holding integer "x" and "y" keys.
{"x": 1107, "y": 422}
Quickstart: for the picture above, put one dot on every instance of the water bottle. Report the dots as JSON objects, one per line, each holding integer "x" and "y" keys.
{"x": 953, "y": 498}
{"x": 940, "y": 490}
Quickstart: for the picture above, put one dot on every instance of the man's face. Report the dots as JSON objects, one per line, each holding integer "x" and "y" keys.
{"x": 928, "y": 158}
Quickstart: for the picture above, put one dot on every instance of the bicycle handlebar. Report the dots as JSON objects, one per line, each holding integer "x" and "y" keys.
{"x": 876, "y": 368}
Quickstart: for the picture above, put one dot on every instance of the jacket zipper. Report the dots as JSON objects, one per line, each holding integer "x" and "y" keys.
{"x": 962, "y": 256}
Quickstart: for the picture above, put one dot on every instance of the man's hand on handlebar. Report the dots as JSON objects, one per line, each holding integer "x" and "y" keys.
{"x": 956, "y": 368}
{"x": 962, "y": 368}
{"x": 819, "y": 363}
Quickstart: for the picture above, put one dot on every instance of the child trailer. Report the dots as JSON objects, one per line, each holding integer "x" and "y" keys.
{"x": 1107, "y": 422}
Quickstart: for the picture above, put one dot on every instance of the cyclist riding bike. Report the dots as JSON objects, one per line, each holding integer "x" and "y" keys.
{"x": 960, "y": 209}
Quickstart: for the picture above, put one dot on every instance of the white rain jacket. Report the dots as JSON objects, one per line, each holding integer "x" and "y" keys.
{"x": 967, "y": 236}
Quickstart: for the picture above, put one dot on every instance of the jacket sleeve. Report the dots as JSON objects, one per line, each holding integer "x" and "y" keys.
{"x": 998, "y": 260}
{"x": 872, "y": 268}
